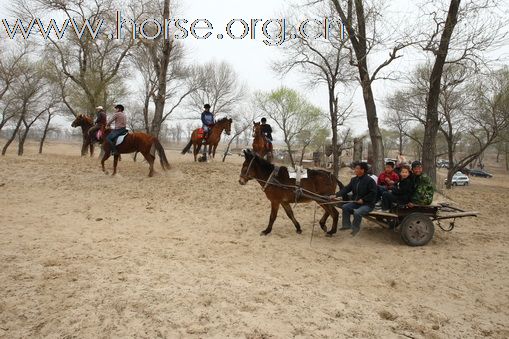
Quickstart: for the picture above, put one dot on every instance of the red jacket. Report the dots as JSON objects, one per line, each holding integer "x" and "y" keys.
{"x": 393, "y": 177}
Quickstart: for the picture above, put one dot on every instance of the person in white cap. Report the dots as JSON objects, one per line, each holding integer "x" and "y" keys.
{"x": 100, "y": 123}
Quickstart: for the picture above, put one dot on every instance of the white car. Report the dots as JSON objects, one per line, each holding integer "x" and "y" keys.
{"x": 459, "y": 179}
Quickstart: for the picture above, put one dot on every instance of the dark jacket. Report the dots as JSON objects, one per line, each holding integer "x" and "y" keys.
{"x": 267, "y": 131}
{"x": 362, "y": 188}
{"x": 403, "y": 190}
{"x": 207, "y": 118}
{"x": 100, "y": 118}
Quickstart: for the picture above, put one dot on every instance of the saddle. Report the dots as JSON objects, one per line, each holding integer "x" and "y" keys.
{"x": 121, "y": 138}
{"x": 298, "y": 173}
{"x": 202, "y": 135}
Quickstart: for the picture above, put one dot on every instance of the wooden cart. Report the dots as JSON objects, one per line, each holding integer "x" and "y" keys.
{"x": 417, "y": 224}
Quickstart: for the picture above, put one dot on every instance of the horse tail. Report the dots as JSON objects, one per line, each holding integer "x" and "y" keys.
{"x": 162, "y": 155}
{"x": 188, "y": 146}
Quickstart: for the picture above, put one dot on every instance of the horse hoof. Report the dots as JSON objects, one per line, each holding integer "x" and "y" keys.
{"x": 323, "y": 227}
{"x": 262, "y": 233}
{"x": 299, "y": 231}
{"x": 329, "y": 235}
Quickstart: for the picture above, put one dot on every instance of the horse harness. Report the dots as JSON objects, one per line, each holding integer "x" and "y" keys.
{"x": 271, "y": 179}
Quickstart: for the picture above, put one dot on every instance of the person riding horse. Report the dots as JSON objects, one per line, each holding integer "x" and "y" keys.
{"x": 120, "y": 120}
{"x": 207, "y": 119}
{"x": 267, "y": 133}
{"x": 100, "y": 123}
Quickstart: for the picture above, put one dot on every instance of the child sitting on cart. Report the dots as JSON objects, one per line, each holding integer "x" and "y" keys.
{"x": 402, "y": 191}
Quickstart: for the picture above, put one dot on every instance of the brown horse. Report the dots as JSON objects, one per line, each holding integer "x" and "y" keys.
{"x": 212, "y": 140}
{"x": 85, "y": 122}
{"x": 280, "y": 189}
{"x": 144, "y": 143}
{"x": 260, "y": 144}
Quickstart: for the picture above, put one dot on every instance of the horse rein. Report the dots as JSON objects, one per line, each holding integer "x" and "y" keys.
{"x": 248, "y": 168}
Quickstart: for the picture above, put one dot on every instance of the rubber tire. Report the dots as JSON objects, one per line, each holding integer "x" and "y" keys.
{"x": 417, "y": 229}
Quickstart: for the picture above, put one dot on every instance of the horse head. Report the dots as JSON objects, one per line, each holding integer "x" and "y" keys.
{"x": 257, "y": 129}
{"x": 81, "y": 120}
{"x": 226, "y": 125}
{"x": 247, "y": 172}
{"x": 77, "y": 121}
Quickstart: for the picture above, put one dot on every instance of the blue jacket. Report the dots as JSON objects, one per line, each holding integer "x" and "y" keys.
{"x": 207, "y": 118}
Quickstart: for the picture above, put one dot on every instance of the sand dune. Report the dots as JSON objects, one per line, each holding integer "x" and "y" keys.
{"x": 87, "y": 255}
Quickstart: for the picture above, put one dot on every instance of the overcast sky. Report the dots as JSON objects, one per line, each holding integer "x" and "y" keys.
{"x": 252, "y": 58}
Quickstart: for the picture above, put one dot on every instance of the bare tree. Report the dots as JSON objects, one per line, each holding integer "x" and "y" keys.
{"x": 323, "y": 61}
{"x": 457, "y": 37}
{"x": 10, "y": 61}
{"x": 220, "y": 87}
{"x": 488, "y": 116}
{"x": 292, "y": 114}
{"x": 165, "y": 77}
{"x": 49, "y": 116}
{"x": 243, "y": 123}
{"x": 397, "y": 119}
{"x": 32, "y": 97}
{"x": 360, "y": 20}
{"x": 88, "y": 64}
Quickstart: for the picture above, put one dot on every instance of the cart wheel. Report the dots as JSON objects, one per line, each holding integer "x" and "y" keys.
{"x": 417, "y": 229}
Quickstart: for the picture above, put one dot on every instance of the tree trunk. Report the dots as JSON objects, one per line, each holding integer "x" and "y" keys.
{"x": 432, "y": 122}
{"x": 21, "y": 144}
{"x": 46, "y": 128}
{"x": 162, "y": 67}
{"x": 374, "y": 130}
{"x": 506, "y": 155}
{"x": 13, "y": 136}
{"x": 333, "y": 110}
{"x": 357, "y": 149}
{"x": 400, "y": 142}
{"x": 289, "y": 148}
{"x": 370, "y": 155}
{"x": 235, "y": 137}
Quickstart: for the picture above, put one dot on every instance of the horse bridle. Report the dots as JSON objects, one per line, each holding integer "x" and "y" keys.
{"x": 246, "y": 175}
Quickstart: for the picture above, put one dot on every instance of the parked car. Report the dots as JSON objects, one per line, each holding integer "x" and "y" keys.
{"x": 459, "y": 179}
{"x": 442, "y": 163}
{"x": 479, "y": 173}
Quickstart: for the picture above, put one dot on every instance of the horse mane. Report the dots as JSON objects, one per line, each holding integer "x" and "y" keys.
{"x": 87, "y": 118}
{"x": 264, "y": 164}
{"x": 222, "y": 120}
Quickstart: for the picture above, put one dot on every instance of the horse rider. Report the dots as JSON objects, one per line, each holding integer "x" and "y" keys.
{"x": 99, "y": 123}
{"x": 266, "y": 132}
{"x": 120, "y": 120}
{"x": 207, "y": 119}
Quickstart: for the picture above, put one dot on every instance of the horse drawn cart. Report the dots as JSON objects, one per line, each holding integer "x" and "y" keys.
{"x": 417, "y": 224}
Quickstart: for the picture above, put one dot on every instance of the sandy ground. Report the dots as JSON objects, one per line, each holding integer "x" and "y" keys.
{"x": 87, "y": 255}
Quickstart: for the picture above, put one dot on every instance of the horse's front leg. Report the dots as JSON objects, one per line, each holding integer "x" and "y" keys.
{"x": 214, "y": 151}
{"x": 84, "y": 147}
{"x": 335, "y": 216}
{"x": 273, "y": 216}
{"x": 105, "y": 157}
{"x": 289, "y": 213}
{"x": 323, "y": 220}
{"x": 91, "y": 149}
